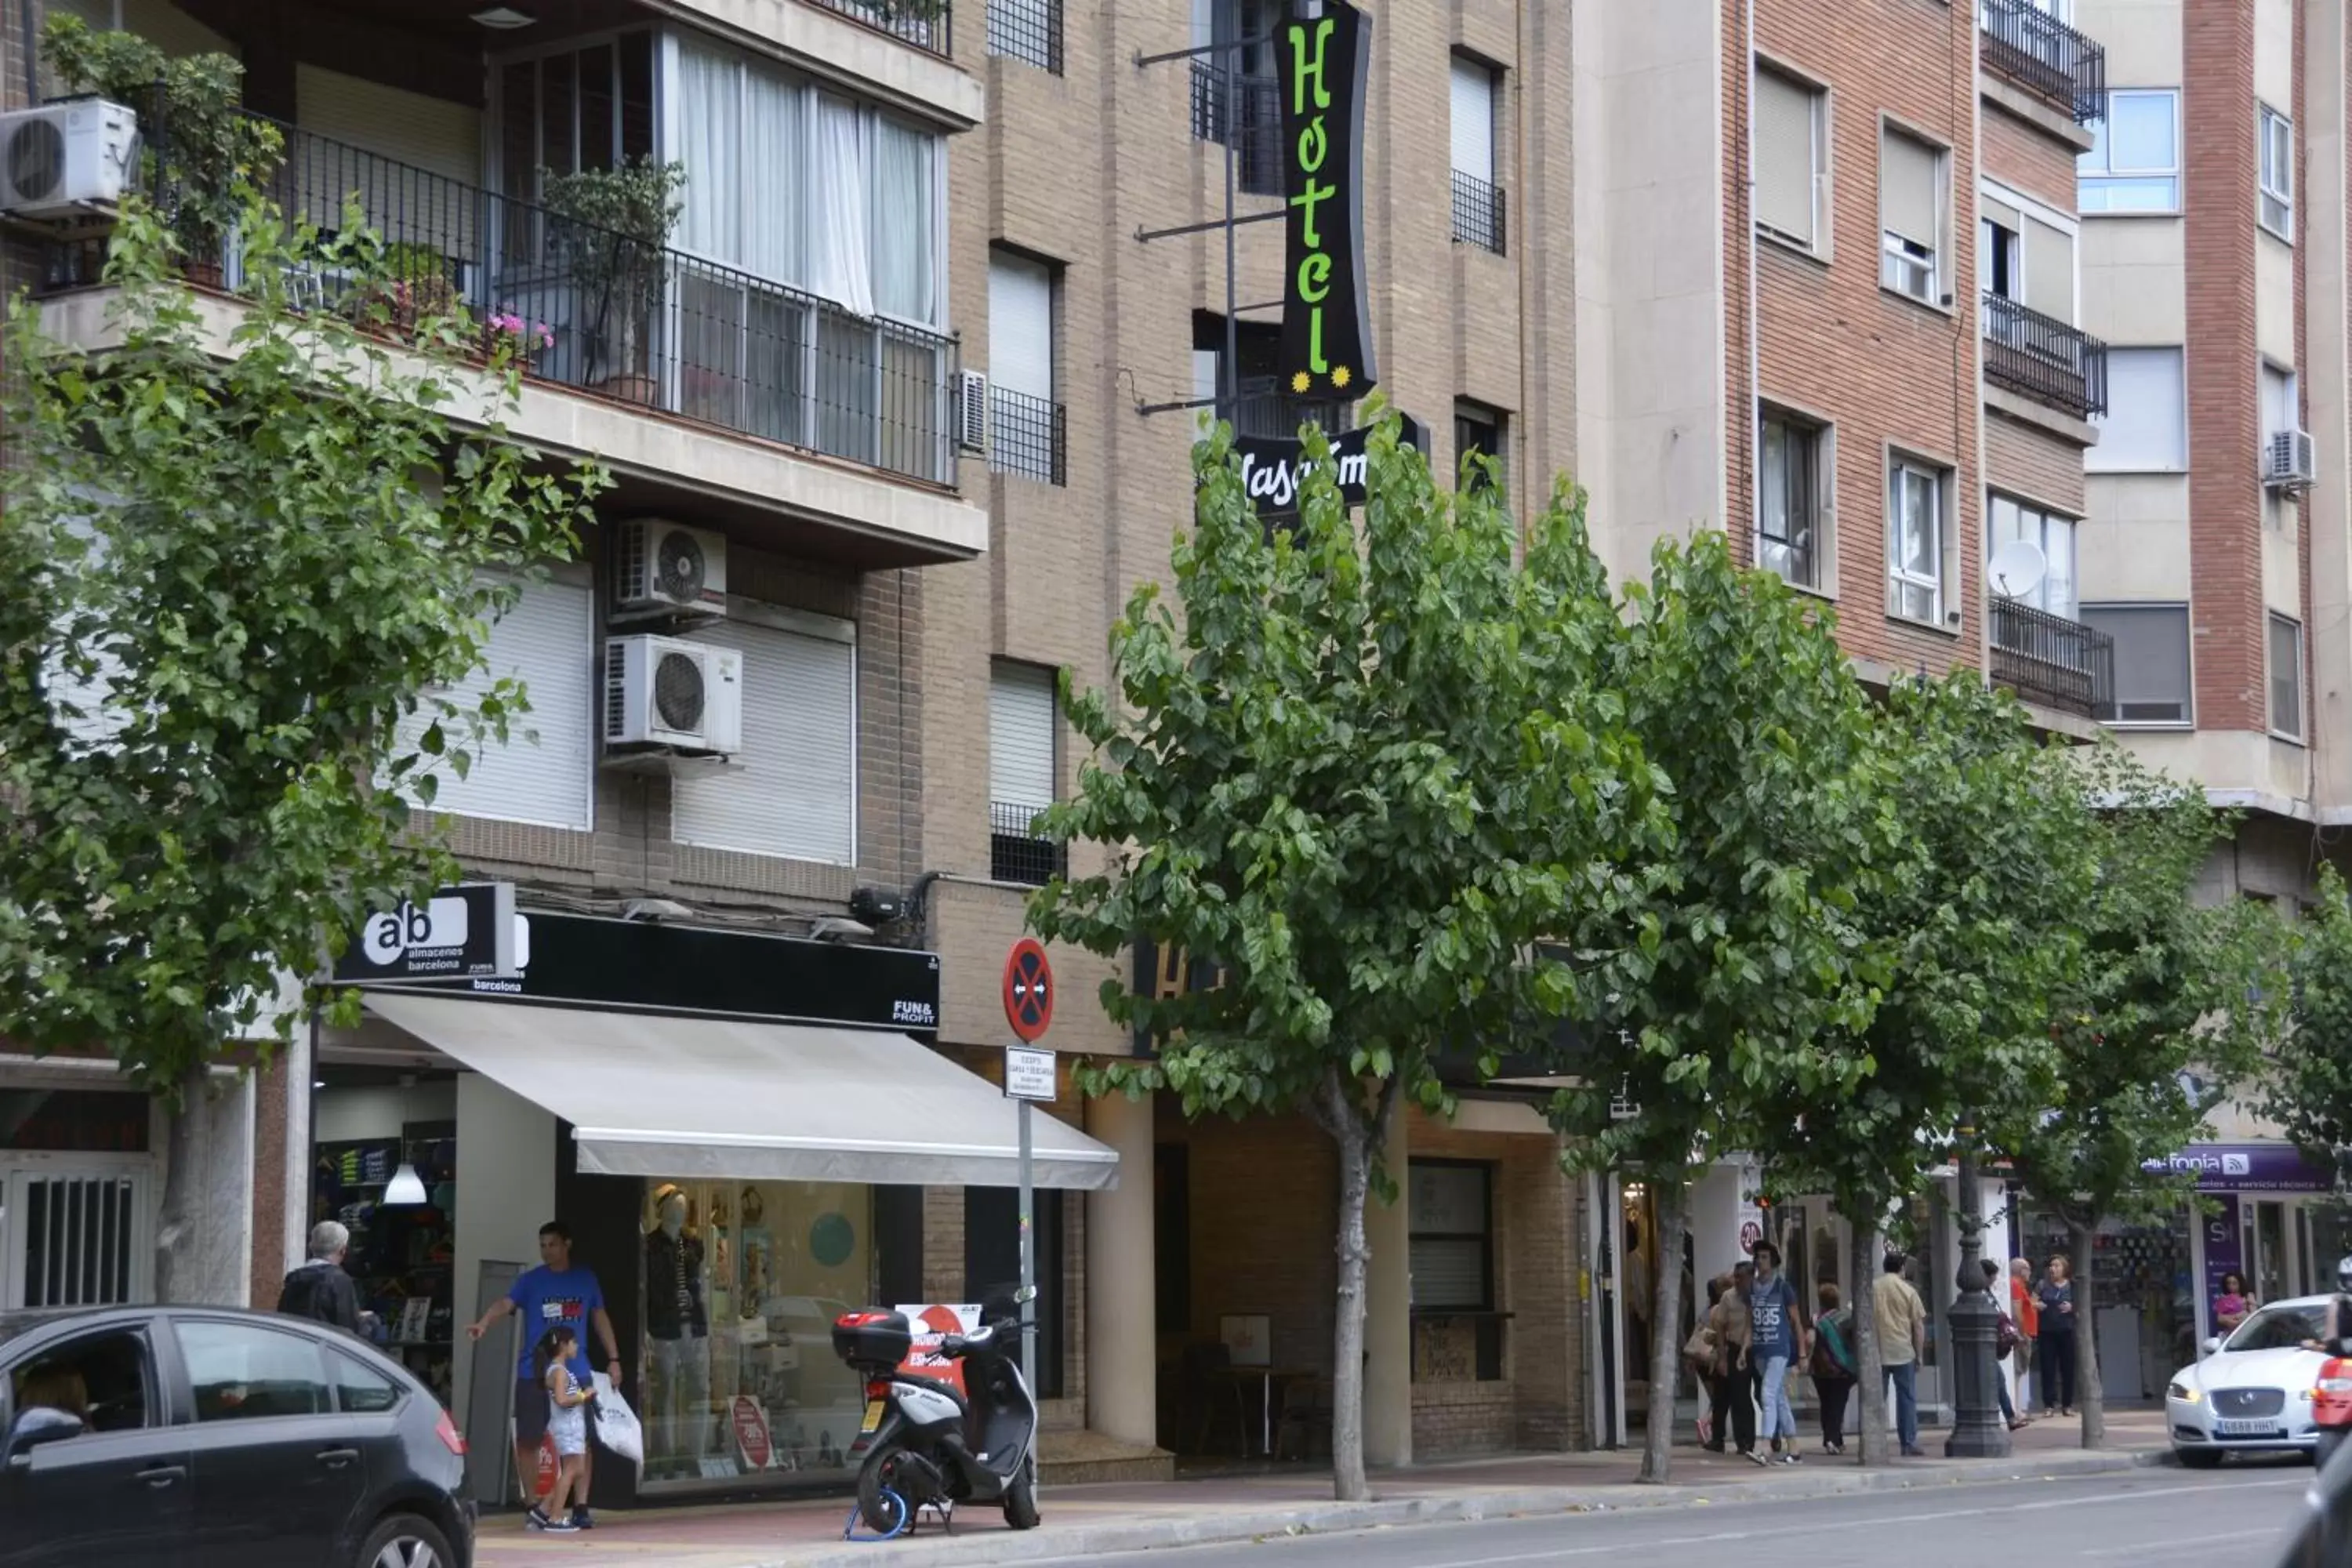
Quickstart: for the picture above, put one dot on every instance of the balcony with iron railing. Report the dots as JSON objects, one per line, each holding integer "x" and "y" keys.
{"x": 597, "y": 312}
{"x": 2026, "y": 44}
{"x": 2048, "y": 659}
{"x": 1261, "y": 408}
{"x": 2042, "y": 358}
{"x": 1015, "y": 851}
{"x": 1245, "y": 113}
{"x": 1027, "y": 436}
{"x": 1478, "y": 212}
{"x": 928, "y": 25}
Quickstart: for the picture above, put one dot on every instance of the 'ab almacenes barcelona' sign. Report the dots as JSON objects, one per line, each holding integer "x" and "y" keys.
{"x": 1326, "y": 341}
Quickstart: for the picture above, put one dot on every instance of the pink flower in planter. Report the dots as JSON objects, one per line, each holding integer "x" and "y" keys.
{"x": 526, "y": 336}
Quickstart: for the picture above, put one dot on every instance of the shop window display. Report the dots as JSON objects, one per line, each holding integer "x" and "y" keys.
{"x": 742, "y": 1283}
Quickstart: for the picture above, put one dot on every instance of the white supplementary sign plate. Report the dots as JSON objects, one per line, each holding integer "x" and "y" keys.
{"x": 1028, "y": 1073}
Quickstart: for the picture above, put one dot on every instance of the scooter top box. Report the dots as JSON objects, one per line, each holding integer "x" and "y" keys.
{"x": 874, "y": 1340}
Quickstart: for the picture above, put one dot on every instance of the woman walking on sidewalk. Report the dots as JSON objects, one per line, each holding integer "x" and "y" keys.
{"x": 1780, "y": 1339}
{"x": 1834, "y": 1367}
{"x": 2057, "y": 1298}
{"x": 1727, "y": 1384}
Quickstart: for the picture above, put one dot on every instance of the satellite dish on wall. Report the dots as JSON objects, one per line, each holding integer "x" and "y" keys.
{"x": 2017, "y": 568}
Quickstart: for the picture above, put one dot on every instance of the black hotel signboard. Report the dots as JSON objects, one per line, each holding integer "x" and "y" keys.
{"x": 1326, "y": 340}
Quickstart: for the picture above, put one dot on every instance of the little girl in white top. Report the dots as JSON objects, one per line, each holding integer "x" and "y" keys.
{"x": 567, "y": 1426}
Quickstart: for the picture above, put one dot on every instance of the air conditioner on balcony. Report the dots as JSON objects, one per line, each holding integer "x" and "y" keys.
{"x": 2288, "y": 461}
{"x": 62, "y": 159}
{"x": 664, "y": 565}
{"x": 971, "y": 412}
{"x": 661, "y": 691}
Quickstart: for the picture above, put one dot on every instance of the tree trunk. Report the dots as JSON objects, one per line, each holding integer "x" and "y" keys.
{"x": 1868, "y": 1263}
{"x": 1665, "y": 1328}
{"x": 198, "y": 1256}
{"x": 2087, "y": 1391}
{"x": 1348, "y": 1483}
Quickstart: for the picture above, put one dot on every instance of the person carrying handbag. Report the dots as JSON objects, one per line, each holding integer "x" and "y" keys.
{"x": 1834, "y": 1368}
{"x": 1730, "y": 1383}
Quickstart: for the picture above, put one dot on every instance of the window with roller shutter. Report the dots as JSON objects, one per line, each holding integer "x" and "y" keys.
{"x": 1477, "y": 197}
{"x": 1024, "y": 720}
{"x": 545, "y": 772}
{"x": 1791, "y": 154}
{"x": 795, "y": 794}
{"x": 1450, "y": 1214}
{"x": 1910, "y": 203}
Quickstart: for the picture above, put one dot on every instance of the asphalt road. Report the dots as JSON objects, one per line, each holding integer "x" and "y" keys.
{"x": 2143, "y": 1518}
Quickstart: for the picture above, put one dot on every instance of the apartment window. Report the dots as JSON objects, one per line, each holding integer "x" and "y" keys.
{"x": 545, "y": 774}
{"x": 2286, "y": 678}
{"x": 1478, "y": 430}
{"x": 1023, "y": 716}
{"x": 1028, "y": 30}
{"x": 2027, "y": 258}
{"x": 2277, "y": 172}
{"x": 1791, "y": 159}
{"x": 1236, "y": 93}
{"x": 1477, "y": 199}
{"x": 2146, "y": 426}
{"x": 1025, "y": 426}
{"x": 1450, "y": 1212}
{"x": 575, "y": 108}
{"x": 2047, "y": 531}
{"x": 1794, "y": 470}
{"x": 1914, "y": 542}
{"x": 1910, "y": 207}
{"x": 2134, "y": 163}
{"x": 795, "y": 794}
{"x": 2151, "y": 661}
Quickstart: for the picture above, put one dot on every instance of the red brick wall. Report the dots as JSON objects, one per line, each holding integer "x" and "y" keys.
{"x": 2224, "y": 406}
{"x": 2025, "y": 461}
{"x": 2020, "y": 156}
{"x": 1884, "y": 369}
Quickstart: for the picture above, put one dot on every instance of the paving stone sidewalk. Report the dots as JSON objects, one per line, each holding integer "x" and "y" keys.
{"x": 1098, "y": 1521}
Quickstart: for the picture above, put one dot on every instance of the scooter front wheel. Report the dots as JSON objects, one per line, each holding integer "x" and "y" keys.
{"x": 1021, "y": 1498}
{"x": 883, "y": 1506}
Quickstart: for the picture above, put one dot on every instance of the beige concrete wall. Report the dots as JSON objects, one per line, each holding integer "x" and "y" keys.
{"x": 2142, "y": 39}
{"x": 2328, "y": 324}
{"x": 2274, "y": 325}
{"x": 2134, "y": 541}
{"x": 2135, "y": 279}
{"x": 2274, "y": 41}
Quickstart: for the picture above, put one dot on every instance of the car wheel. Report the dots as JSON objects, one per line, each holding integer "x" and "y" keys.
{"x": 405, "y": 1541}
{"x": 2200, "y": 1458}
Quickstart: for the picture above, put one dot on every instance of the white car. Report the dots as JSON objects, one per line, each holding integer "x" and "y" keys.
{"x": 2250, "y": 1394}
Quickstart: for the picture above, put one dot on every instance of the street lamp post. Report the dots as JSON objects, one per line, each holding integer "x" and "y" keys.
{"x": 1977, "y": 1430}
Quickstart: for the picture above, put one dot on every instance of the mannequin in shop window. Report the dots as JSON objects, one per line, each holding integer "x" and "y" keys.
{"x": 677, "y": 1285}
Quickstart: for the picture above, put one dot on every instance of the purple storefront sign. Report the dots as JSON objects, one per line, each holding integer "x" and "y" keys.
{"x": 2246, "y": 1168}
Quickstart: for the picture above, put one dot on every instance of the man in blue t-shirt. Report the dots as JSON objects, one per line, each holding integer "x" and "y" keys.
{"x": 553, "y": 1293}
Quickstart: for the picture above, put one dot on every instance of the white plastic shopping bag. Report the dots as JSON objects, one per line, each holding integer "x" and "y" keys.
{"x": 617, "y": 1424}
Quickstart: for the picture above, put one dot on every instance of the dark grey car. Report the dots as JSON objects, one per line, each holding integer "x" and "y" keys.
{"x": 206, "y": 1438}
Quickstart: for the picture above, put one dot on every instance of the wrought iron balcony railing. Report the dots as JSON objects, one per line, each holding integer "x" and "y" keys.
{"x": 928, "y": 25}
{"x": 603, "y": 313}
{"x": 2042, "y": 358}
{"x": 1247, "y": 111}
{"x": 2043, "y": 54}
{"x": 1015, "y": 853}
{"x": 1262, "y": 408}
{"x": 2052, "y": 660}
{"x": 1478, "y": 212}
{"x": 1026, "y": 435}
{"x": 1028, "y": 30}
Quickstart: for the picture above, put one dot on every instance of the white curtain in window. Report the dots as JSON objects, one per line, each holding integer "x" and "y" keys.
{"x": 774, "y": 115}
{"x": 839, "y": 208}
{"x": 710, "y": 114}
{"x": 903, "y": 247}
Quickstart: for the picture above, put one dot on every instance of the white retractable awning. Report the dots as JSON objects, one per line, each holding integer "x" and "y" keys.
{"x": 655, "y": 1095}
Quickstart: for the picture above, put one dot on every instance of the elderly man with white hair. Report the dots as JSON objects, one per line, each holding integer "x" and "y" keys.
{"x": 321, "y": 1289}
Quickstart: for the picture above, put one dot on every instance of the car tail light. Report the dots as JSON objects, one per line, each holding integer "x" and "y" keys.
{"x": 451, "y": 1438}
{"x": 879, "y": 1388}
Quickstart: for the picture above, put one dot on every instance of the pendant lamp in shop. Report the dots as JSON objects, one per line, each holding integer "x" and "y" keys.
{"x": 406, "y": 1188}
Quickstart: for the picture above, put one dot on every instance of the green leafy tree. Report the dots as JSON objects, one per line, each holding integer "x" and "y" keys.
{"x": 2167, "y": 1012}
{"x": 1727, "y": 981}
{"x": 2306, "y": 1084}
{"x": 1971, "y": 913}
{"x": 1362, "y": 775}
{"x": 234, "y": 578}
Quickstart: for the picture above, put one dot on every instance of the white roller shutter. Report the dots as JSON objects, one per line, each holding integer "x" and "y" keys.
{"x": 795, "y": 794}
{"x": 1907, "y": 188}
{"x": 546, "y": 641}
{"x": 2049, "y": 270}
{"x": 1020, "y": 724}
{"x": 1473, "y": 120}
{"x": 1020, "y": 325}
{"x": 1785, "y": 156}
{"x": 432, "y": 133}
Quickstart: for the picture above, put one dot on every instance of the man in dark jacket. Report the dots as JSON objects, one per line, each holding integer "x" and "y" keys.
{"x": 321, "y": 1289}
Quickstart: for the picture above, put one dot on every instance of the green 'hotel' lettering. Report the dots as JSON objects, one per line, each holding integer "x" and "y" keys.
{"x": 1309, "y": 93}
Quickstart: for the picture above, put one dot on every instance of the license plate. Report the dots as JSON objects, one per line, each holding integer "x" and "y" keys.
{"x": 2245, "y": 1429}
{"x": 873, "y": 1415}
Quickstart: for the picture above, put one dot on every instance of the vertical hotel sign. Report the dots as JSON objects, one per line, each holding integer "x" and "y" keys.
{"x": 1326, "y": 341}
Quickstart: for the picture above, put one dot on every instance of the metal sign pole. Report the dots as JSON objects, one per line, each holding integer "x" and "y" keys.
{"x": 1028, "y": 1263}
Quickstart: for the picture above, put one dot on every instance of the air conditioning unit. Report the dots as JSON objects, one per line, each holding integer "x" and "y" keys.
{"x": 663, "y": 565}
{"x": 662, "y": 691}
{"x": 2288, "y": 461}
{"x": 971, "y": 412}
{"x": 63, "y": 159}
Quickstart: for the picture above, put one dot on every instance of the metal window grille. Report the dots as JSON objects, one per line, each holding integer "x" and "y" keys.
{"x": 2042, "y": 358}
{"x": 2041, "y": 54}
{"x": 78, "y": 1240}
{"x": 2052, "y": 660}
{"x": 928, "y": 25}
{"x": 1028, "y": 30}
{"x": 1026, "y": 436}
{"x": 1247, "y": 109}
{"x": 1477, "y": 213}
{"x": 1015, "y": 852}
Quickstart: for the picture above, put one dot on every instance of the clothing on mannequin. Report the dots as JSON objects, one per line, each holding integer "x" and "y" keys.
{"x": 677, "y": 1285}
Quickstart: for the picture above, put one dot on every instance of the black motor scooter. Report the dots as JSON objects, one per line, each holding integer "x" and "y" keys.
{"x": 924, "y": 1445}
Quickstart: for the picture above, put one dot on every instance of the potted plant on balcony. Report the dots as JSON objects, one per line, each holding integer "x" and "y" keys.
{"x": 613, "y": 232}
{"x": 199, "y": 148}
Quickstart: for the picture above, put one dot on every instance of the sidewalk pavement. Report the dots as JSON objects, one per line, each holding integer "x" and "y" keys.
{"x": 1096, "y": 1520}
